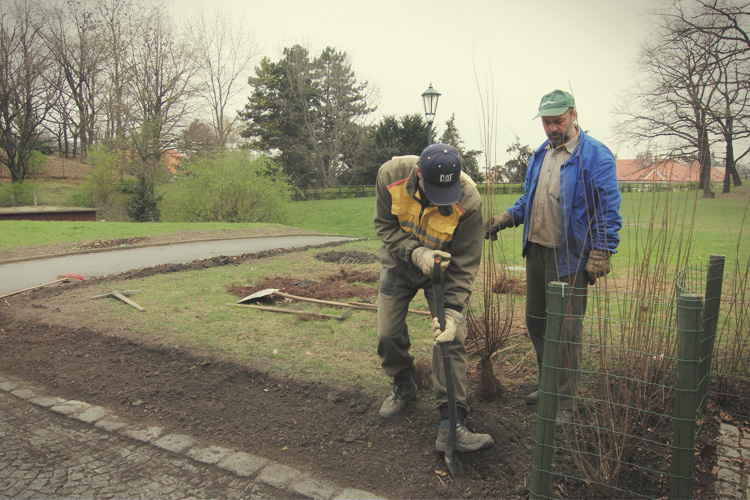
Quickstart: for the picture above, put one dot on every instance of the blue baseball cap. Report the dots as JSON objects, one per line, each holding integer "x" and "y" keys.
{"x": 440, "y": 168}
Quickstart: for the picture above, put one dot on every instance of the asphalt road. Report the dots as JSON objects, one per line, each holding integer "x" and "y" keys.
{"x": 21, "y": 275}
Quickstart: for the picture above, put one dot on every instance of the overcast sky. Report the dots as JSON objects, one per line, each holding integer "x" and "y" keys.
{"x": 490, "y": 60}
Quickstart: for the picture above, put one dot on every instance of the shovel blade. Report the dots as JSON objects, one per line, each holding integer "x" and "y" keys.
{"x": 455, "y": 467}
{"x": 258, "y": 295}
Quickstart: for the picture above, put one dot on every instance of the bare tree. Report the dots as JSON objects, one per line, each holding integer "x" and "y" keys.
{"x": 677, "y": 96}
{"x": 160, "y": 85}
{"x": 75, "y": 41}
{"x": 723, "y": 19}
{"x": 731, "y": 115}
{"x": 120, "y": 24}
{"x": 26, "y": 95}
{"x": 224, "y": 51}
{"x": 727, "y": 22}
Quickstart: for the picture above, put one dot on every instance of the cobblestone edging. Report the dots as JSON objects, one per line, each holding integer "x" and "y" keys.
{"x": 733, "y": 463}
{"x": 244, "y": 465}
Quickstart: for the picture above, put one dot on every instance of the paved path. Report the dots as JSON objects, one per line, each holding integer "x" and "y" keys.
{"x": 56, "y": 448}
{"x": 732, "y": 474}
{"x": 20, "y": 275}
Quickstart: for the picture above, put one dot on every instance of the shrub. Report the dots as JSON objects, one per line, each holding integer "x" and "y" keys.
{"x": 37, "y": 163}
{"x": 142, "y": 205}
{"x": 18, "y": 194}
{"x": 102, "y": 181}
{"x": 80, "y": 197}
{"x": 228, "y": 187}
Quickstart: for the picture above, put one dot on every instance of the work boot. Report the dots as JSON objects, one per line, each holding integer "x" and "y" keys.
{"x": 532, "y": 398}
{"x": 404, "y": 390}
{"x": 465, "y": 439}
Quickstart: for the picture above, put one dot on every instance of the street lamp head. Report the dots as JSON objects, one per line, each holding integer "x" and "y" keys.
{"x": 430, "y": 101}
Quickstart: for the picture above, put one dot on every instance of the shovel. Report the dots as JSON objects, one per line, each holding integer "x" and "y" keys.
{"x": 121, "y": 296}
{"x": 454, "y": 465}
{"x": 346, "y": 314}
{"x": 62, "y": 278}
{"x": 267, "y": 292}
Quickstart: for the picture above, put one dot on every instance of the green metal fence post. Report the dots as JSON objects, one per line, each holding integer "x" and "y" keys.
{"x": 558, "y": 296}
{"x": 689, "y": 309}
{"x": 714, "y": 280}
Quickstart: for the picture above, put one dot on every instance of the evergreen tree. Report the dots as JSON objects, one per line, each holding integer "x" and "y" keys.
{"x": 514, "y": 169}
{"x": 142, "y": 205}
{"x": 470, "y": 158}
{"x": 309, "y": 113}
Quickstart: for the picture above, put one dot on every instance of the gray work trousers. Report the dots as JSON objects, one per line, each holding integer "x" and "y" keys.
{"x": 541, "y": 269}
{"x": 395, "y": 292}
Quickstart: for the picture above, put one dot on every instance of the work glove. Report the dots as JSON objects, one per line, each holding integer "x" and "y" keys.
{"x": 424, "y": 258}
{"x": 495, "y": 224}
{"x": 597, "y": 265}
{"x": 453, "y": 319}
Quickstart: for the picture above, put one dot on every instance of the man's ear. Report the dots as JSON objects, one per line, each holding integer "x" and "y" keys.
{"x": 419, "y": 174}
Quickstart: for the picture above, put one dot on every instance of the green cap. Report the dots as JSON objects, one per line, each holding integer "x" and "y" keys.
{"x": 555, "y": 103}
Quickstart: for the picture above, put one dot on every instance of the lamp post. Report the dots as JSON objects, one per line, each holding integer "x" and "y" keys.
{"x": 430, "y": 101}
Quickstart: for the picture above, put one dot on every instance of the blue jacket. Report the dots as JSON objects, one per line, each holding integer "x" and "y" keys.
{"x": 589, "y": 200}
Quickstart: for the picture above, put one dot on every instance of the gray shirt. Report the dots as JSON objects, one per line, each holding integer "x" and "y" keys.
{"x": 546, "y": 217}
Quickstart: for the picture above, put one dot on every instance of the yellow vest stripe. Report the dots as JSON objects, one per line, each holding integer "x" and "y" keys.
{"x": 431, "y": 228}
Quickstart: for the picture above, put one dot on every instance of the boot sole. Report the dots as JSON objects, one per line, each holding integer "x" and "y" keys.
{"x": 482, "y": 446}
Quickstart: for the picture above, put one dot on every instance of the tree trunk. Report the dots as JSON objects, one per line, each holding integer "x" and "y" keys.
{"x": 704, "y": 158}
{"x": 16, "y": 171}
{"x": 731, "y": 167}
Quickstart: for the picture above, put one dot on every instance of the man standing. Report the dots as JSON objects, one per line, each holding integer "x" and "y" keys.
{"x": 425, "y": 207}
{"x": 570, "y": 216}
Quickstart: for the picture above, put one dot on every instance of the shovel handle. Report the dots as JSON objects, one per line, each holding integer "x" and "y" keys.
{"x": 346, "y": 314}
{"x": 60, "y": 280}
{"x": 437, "y": 285}
{"x": 127, "y": 301}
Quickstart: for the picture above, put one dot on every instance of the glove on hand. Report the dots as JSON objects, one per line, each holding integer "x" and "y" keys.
{"x": 597, "y": 265}
{"x": 424, "y": 258}
{"x": 496, "y": 224}
{"x": 453, "y": 319}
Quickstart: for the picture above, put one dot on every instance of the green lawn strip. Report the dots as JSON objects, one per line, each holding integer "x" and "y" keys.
{"x": 27, "y": 233}
{"x": 681, "y": 218}
{"x": 350, "y": 216}
{"x": 191, "y": 308}
{"x": 55, "y": 193}
{"x": 682, "y": 223}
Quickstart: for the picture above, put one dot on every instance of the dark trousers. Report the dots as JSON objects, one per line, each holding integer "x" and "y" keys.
{"x": 394, "y": 296}
{"x": 541, "y": 269}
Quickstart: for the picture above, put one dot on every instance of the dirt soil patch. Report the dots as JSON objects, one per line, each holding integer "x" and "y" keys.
{"x": 331, "y": 432}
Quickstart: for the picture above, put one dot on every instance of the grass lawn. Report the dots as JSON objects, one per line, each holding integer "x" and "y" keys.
{"x": 28, "y": 233}
{"x": 192, "y": 306}
{"x": 681, "y": 219}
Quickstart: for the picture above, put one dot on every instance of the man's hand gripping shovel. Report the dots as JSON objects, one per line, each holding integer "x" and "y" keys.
{"x": 454, "y": 465}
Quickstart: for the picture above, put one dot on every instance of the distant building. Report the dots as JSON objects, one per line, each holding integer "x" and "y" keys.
{"x": 171, "y": 159}
{"x": 660, "y": 171}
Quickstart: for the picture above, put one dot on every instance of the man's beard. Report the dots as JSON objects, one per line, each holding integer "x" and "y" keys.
{"x": 557, "y": 139}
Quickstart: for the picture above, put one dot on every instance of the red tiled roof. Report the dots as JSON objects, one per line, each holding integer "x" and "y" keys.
{"x": 662, "y": 171}
{"x": 171, "y": 159}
